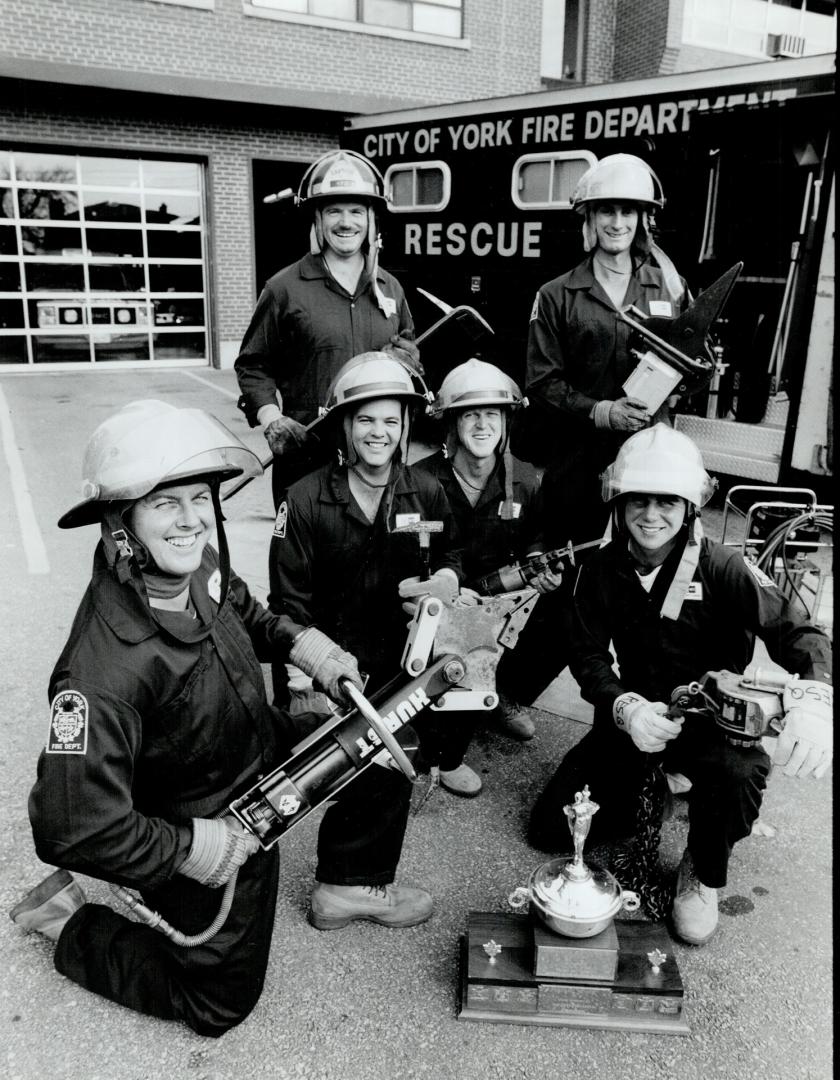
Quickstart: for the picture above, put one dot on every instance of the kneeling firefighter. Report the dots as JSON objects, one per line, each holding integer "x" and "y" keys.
{"x": 158, "y": 720}
{"x": 675, "y": 606}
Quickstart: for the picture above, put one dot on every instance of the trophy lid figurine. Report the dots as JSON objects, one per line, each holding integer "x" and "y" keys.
{"x": 570, "y": 897}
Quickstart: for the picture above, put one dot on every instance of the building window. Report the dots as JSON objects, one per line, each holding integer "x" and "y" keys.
{"x": 547, "y": 181}
{"x": 761, "y": 27}
{"x": 101, "y": 260}
{"x": 561, "y": 41}
{"x": 418, "y": 186}
{"x": 438, "y": 18}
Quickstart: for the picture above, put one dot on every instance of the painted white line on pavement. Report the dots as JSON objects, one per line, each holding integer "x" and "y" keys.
{"x": 214, "y": 386}
{"x": 33, "y": 542}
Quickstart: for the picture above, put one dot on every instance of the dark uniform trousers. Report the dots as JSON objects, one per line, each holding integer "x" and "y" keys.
{"x": 210, "y": 987}
{"x": 724, "y": 801}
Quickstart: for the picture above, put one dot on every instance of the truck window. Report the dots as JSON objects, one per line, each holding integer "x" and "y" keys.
{"x": 418, "y": 185}
{"x": 547, "y": 181}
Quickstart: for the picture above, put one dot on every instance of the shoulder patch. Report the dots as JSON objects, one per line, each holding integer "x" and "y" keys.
{"x": 214, "y": 586}
{"x": 68, "y": 724}
{"x": 535, "y": 310}
{"x": 763, "y": 580}
{"x": 280, "y": 521}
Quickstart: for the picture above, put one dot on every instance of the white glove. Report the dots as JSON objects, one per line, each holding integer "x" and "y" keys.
{"x": 219, "y": 847}
{"x": 443, "y": 584}
{"x": 325, "y": 662}
{"x": 805, "y": 746}
{"x": 645, "y": 722}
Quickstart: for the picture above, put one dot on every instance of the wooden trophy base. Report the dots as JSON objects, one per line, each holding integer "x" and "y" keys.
{"x": 604, "y": 981}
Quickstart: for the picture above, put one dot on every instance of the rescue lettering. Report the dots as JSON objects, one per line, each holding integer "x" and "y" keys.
{"x": 506, "y": 238}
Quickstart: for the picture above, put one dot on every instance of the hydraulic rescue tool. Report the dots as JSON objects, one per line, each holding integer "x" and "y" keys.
{"x": 520, "y": 575}
{"x": 745, "y": 707}
{"x": 450, "y": 656}
{"x": 673, "y": 353}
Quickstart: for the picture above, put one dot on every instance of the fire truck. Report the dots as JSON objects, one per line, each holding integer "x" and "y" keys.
{"x": 481, "y": 192}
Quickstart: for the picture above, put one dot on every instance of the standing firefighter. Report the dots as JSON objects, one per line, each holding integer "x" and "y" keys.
{"x": 675, "y": 605}
{"x": 496, "y": 504}
{"x": 159, "y": 719}
{"x": 339, "y": 561}
{"x": 578, "y": 350}
{"x": 314, "y": 315}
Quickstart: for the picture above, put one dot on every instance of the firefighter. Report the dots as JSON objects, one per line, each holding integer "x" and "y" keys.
{"x": 338, "y": 562}
{"x": 158, "y": 720}
{"x": 675, "y": 606}
{"x": 314, "y": 315}
{"x": 578, "y": 354}
{"x": 495, "y": 502}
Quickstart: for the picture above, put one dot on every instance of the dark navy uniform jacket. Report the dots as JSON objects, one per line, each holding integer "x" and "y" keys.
{"x": 304, "y": 327}
{"x": 330, "y": 567}
{"x": 578, "y": 350}
{"x": 171, "y": 730}
{"x": 488, "y": 541}
{"x": 729, "y": 604}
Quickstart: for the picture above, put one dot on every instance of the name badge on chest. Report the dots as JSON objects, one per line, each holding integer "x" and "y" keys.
{"x": 695, "y": 591}
{"x": 661, "y": 307}
{"x": 402, "y": 520}
{"x": 515, "y": 509}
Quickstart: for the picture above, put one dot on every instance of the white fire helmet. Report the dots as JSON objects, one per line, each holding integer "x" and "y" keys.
{"x": 619, "y": 178}
{"x": 659, "y": 461}
{"x": 476, "y": 383}
{"x": 374, "y": 375}
{"x": 148, "y": 443}
{"x": 342, "y": 176}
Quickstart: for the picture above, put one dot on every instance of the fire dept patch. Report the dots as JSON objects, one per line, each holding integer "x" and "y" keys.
{"x": 68, "y": 724}
{"x": 280, "y": 521}
{"x": 535, "y": 310}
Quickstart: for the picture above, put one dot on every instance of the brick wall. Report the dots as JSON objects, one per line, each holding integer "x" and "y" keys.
{"x": 640, "y": 37}
{"x": 226, "y": 44}
{"x": 599, "y": 41}
{"x": 227, "y": 138}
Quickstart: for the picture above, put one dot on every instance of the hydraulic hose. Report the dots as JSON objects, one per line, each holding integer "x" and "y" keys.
{"x": 157, "y": 922}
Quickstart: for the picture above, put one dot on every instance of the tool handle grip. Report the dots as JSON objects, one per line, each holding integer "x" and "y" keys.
{"x": 378, "y": 724}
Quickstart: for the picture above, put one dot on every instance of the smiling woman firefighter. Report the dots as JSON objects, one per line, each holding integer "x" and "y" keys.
{"x": 676, "y": 606}
{"x": 159, "y": 720}
{"x": 345, "y": 549}
{"x": 578, "y": 350}
{"x": 314, "y": 315}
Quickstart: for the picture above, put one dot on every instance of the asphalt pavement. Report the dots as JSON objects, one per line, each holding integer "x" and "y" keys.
{"x": 366, "y": 1002}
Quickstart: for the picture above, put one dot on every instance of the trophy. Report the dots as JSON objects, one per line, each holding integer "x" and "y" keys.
{"x": 568, "y": 962}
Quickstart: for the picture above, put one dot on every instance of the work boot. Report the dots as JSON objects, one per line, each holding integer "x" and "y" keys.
{"x": 462, "y": 781}
{"x": 48, "y": 906}
{"x": 514, "y": 720}
{"x": 695, "y": 910}
{"x": 334, "y": 906}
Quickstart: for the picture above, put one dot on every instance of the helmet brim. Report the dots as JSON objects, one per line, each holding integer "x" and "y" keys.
{"x": 242, "y": 462}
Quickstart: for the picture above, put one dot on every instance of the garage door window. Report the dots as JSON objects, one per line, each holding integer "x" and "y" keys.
{"x": 102, "y": 260}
